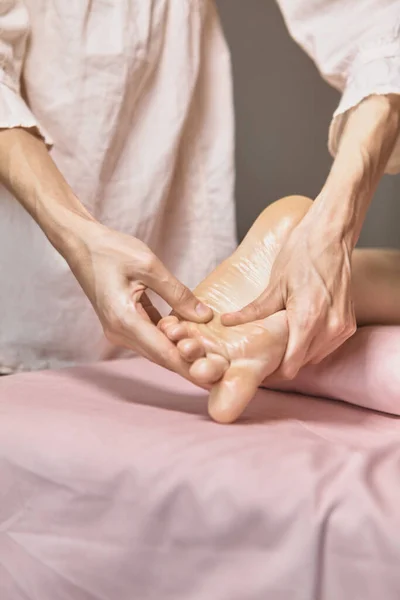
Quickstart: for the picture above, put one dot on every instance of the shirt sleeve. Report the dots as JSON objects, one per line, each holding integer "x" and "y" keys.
{"x": 14, "y": 30}
{"x": 356, "y": 47}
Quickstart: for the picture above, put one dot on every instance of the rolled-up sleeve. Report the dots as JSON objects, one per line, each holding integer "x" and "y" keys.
{"x": 356, "y": 47}
{"x": 14, "y": 31}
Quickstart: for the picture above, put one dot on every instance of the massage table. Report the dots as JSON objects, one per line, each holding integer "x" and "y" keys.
{"x": 115, "y": 485}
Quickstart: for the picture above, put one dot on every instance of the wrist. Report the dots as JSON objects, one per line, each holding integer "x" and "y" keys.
{"x": 369, "y": 137}
{"x": 367, "y": 143}
{"x": 340, "y": 214}
{"x": 28, "y": 171}
{"x": 65, "y": 223}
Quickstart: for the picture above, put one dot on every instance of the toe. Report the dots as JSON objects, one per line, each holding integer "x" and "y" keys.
{"x": 167, "y": 322}
{"x": 176, "y": 332}
{"x": 230, "y": 396}
{"x": 191, "y": 349}
{"x": 209, "y": 369}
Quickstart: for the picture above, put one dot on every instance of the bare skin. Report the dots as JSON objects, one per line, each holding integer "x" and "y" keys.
{"x": 312, "y": 276}
{"x": 234, "y": 361}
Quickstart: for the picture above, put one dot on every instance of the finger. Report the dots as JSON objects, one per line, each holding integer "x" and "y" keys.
{"x": 144, "y": 337}
{"x": 177, "y": 295}
{"x": 296, "y": 351}
{"x": 268, "y": 303}
{"x": 127, "y": 324}
{"x": 316, "y": 356}
{"x": 150, "y": 309}
{"x": 335, "y": 336}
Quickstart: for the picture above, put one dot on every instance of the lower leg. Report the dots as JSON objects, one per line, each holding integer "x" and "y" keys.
{"x": 363, "y": 371}
{"x": 376, "y": 286}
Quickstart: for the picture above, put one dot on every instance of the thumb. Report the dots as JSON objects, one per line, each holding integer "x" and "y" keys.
{"x": 268, "y": 303}
{"x": 177, "y": 295}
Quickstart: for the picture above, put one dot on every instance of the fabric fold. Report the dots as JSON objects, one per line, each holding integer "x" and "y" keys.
{"x": 14, "y": 112}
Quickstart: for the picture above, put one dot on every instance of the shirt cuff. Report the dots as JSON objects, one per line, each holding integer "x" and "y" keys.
{"x": 369, "y": 75}
{"x": 14, "y": 112}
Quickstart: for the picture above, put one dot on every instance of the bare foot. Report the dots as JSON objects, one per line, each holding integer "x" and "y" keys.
{"x": 233, "y": 361}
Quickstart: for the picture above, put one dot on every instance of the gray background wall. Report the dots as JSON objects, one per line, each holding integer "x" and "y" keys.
{"x": 283, "y": 110}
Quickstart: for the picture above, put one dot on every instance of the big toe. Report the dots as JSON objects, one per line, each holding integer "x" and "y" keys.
{"x": 209, "y": 369}
{"x": 230, "y": 396}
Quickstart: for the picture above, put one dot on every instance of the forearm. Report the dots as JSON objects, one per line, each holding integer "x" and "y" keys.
{"x": 366, "y": 145}
{"x": 29, "y": 172}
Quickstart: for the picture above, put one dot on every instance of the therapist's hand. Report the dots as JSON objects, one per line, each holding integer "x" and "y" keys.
{"x": 115, "y": 270}
{"x": 311, "y": 278}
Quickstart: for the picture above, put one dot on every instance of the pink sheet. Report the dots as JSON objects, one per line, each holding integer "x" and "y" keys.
{"x": 116, "y": 486}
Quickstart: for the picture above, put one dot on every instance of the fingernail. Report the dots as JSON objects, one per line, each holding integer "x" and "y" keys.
{"x": 203, "y": 311}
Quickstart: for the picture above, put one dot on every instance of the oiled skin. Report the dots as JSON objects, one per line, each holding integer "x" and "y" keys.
{"x": 234, "y": 361}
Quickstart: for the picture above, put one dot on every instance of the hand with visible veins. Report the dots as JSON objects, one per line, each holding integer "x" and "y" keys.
{"x": 311, "y": 277}
{"x": 114, "y": 269}
{"x": 311, "y": 280}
